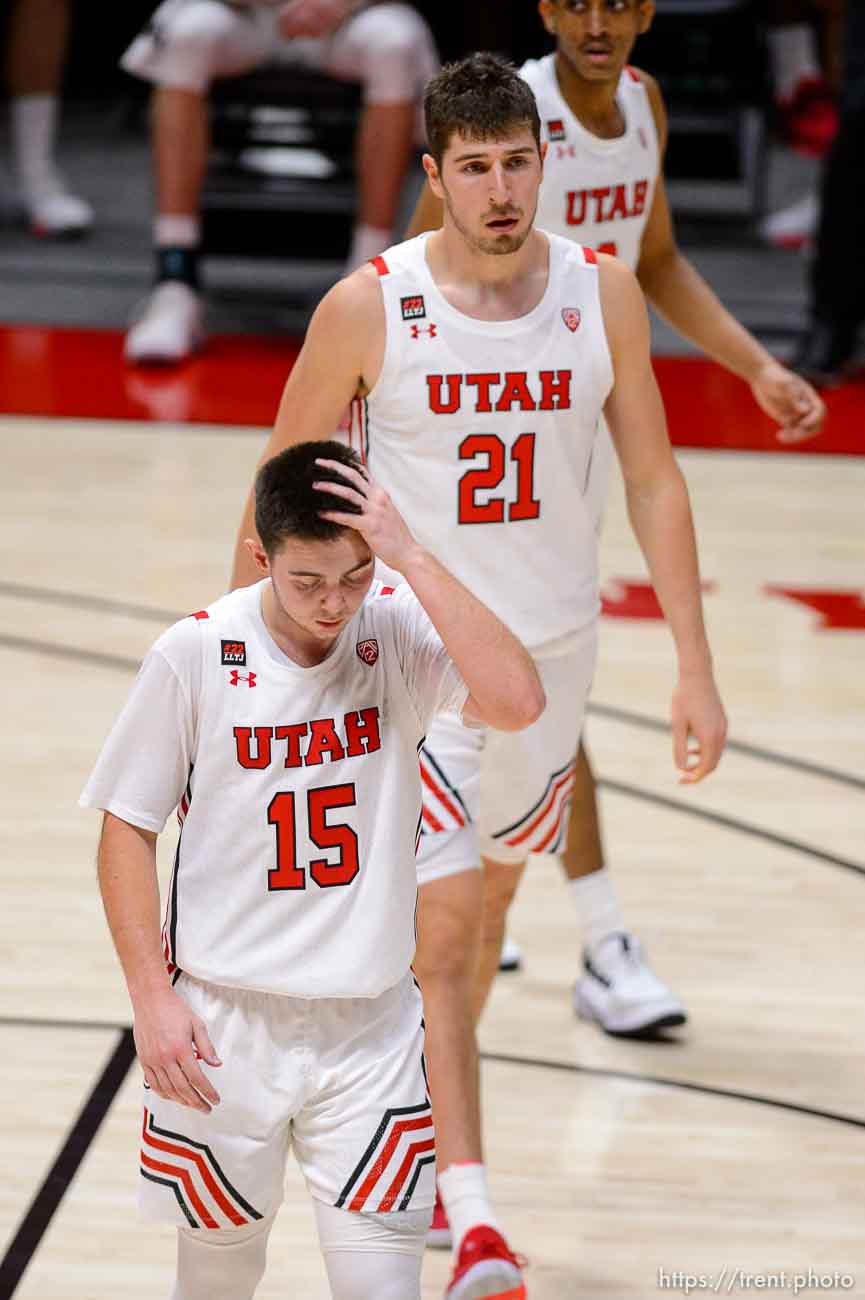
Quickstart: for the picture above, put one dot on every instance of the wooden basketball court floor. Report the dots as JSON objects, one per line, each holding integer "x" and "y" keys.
{"x": 733, "y": 1152}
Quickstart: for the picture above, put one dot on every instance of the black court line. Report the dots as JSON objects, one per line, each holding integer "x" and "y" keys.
{"x": 735, "y": 746}
{"x": 36, "y": 1022}
{"x": 57, "y": 651}
{"x": 101, "y": 604}
{"x": 80, "y": 600}
{"x": 731, "y": 1094}
{"x": 731, "y": 823}
{"x": 47, "y": 1200}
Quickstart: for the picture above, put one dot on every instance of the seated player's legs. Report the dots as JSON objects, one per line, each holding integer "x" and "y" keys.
{"x": 390, "y": 50}
{"x": 526, "y": 782}
{"x": 185, "y": 46}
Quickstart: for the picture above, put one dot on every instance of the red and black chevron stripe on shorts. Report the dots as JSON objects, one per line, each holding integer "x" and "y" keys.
{"x": 192, "y": 1172}
{"x": 387, "y": 1173}
{"x": 443, "y": 808}
{"x": 542, "y": 828}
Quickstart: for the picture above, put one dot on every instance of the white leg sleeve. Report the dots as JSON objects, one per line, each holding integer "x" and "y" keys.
{"x": 189, "y": 42}
{"x": 372, "y": 1256}
{"x": 227, "y": 1264}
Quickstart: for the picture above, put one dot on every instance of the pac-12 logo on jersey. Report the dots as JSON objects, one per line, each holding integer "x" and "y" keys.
{"x": 571, "y": 316}
{"x": 234, "y": 652}
{"x": 367, "y": 651}
{"x": 556, "y": 129}
{"x": 413, "y": 307}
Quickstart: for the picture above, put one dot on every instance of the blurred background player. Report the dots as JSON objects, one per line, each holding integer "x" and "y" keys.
{"x": 827, "y": 351}
{"x": 271, "y": 1015}
{"x": 387, "y": 47}
{"x": 36, "y": 39}
{"x": 605, "y": 128}
{"x": 449, "y": 341}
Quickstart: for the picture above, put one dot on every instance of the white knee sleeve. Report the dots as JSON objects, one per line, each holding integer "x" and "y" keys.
{"x": 190, "y": 42}
{"x": 372, "y": 1256}
{"x": 227, "y": 1264}
{"x": 388, "y": 48}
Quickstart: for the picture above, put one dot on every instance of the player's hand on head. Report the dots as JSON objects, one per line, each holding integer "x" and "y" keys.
{"x": 312, "y": 17}
{"x": 170, "y": 1041}
{"x": 699, "y": 727}
{"x": 791, "y": 400}
{"x": 377, "y": 519}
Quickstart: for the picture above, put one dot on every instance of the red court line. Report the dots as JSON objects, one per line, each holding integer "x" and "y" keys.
{"x": 238, "y": 379}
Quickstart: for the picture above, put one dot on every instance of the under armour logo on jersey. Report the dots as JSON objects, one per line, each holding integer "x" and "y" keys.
{"x": 367, "y": 651}
{"x": 556, "y": 129}
{"x": 571, "y": 316}
{"x": 236, "y": 678}
{"x": 566, "y": 151}
{"x": 417, "y": 330}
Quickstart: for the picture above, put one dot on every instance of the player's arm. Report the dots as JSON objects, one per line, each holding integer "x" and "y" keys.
{"x": 340, "y": 359}
{"x": 678, "y": 291}
{"x": 660, "y": 515}
{"x": 505, "y": 691}
{"x": 427, "y": 214}
{"x": 168, "y": 1037}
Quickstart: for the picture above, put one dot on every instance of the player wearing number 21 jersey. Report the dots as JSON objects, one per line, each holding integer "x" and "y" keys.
{"x": 284, "y": 722}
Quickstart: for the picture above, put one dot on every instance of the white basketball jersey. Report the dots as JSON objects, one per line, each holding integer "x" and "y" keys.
{"x": 482, "y": 431}
{"x": 597, "y": 192}
{"x": 298, "y": 792}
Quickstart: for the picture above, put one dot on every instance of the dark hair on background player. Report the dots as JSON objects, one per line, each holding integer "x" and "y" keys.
{"x": 286, "y": 503}
{"x": 483, "y": 97}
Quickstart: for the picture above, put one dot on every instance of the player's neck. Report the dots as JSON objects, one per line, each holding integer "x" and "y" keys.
{"x": 301, "y": 647}
{"x": 484, "y": 285}
{"x": 593, "y": 103}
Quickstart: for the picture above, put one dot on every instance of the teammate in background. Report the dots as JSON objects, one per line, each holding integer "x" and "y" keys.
{"x": 387, "y": 47}
{"x": 605, "y": 129}
{"x": 278, "y": 1008}
{"x": 482, "y": 357}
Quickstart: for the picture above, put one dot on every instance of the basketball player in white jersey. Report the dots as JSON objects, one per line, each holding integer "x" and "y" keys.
{"x": 277, "y": 1007}
{"x": 605, "y": 128}
{"x": 481, "y": 358}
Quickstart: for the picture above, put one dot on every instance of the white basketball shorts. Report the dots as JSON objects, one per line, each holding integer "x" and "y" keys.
{"x": 506, "y": 794}
{"x": 342, "y": 1081}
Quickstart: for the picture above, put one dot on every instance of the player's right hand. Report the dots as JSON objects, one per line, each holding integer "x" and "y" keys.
{"x": 377, "y": 520}
{"x": 170, "y": 1039}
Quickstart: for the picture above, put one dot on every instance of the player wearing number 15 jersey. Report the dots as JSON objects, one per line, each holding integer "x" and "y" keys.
{"x": 482, "y": 358}
{"x": 283, "y": 722}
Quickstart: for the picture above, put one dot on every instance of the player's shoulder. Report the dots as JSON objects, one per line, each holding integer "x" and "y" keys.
{"x": 638, "y": 77}
{"x": 185, "y": 636}
{"x": 537, "y": 72}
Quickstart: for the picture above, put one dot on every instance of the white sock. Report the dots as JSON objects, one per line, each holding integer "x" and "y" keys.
{"x": 34, "y": 136}
{"x": 793, "y": 57}
{"x": 597, "y": 905}
{"x": 170, "y": 231}
{"x": 367, "y": 242}
{"x": 464, "y": 1195}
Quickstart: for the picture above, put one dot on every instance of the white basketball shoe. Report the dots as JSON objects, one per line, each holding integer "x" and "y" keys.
{"x": 170, "y": 326}
{"x": 621, "y": 992}
{"x": 54, "y": 213}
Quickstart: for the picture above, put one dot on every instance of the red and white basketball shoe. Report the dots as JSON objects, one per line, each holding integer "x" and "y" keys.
{"x": 486, "y": 1269}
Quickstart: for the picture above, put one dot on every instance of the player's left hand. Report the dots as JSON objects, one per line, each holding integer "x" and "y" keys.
{"x": 312, "y": 17}
{"x": 789, "y": 399}
{"x": 699, "y": 726}
{"x": 377, "y": 519}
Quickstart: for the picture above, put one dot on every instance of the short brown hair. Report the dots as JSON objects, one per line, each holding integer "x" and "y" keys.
{"x": 483, "y": 97}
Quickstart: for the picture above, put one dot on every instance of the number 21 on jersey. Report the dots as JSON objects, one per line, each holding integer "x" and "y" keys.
{"x": 522, "y": 504}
